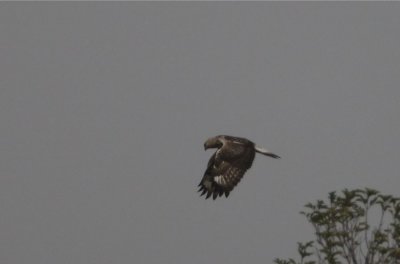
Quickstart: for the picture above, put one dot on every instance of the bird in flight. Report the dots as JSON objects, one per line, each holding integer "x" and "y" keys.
{"x": 226, "y": 167}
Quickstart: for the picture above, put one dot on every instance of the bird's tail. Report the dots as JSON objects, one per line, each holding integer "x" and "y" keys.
{"x": 266, "y": 152}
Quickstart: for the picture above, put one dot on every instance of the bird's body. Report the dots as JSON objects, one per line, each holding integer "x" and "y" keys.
{"x": 226, "y": 167}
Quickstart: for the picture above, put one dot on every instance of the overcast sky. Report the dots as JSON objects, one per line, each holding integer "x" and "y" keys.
{"x": 104, "y": 108}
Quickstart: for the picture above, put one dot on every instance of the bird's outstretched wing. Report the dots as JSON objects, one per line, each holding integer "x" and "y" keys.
{"x": 225, "y": 169}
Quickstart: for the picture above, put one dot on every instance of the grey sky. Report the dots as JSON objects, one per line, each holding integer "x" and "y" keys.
{"x": 104, "y": 108}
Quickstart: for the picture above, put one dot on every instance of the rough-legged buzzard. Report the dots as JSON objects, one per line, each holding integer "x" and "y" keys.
{"x": 226, "y": 167}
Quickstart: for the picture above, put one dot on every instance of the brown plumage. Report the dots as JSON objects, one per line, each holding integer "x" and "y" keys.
{"x": 226, "y": 167}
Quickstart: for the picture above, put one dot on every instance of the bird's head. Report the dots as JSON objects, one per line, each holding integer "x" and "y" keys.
{"x": 213, "y": 142}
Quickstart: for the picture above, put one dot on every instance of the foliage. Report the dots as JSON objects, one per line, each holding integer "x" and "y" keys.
{"x": 354, "y": 227}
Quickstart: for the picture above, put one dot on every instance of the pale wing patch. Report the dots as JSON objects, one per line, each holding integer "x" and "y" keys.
{"x": 232, "y": 176}
{"x": 219, "y": 179}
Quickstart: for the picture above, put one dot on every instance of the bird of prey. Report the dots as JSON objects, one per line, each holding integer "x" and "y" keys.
{"x": 226, "y": 167}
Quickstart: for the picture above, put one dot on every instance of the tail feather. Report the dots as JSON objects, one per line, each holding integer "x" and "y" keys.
{"x": 266, "y": 152}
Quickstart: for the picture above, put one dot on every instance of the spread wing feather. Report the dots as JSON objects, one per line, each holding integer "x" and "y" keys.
{"x": 225, "y": 169}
